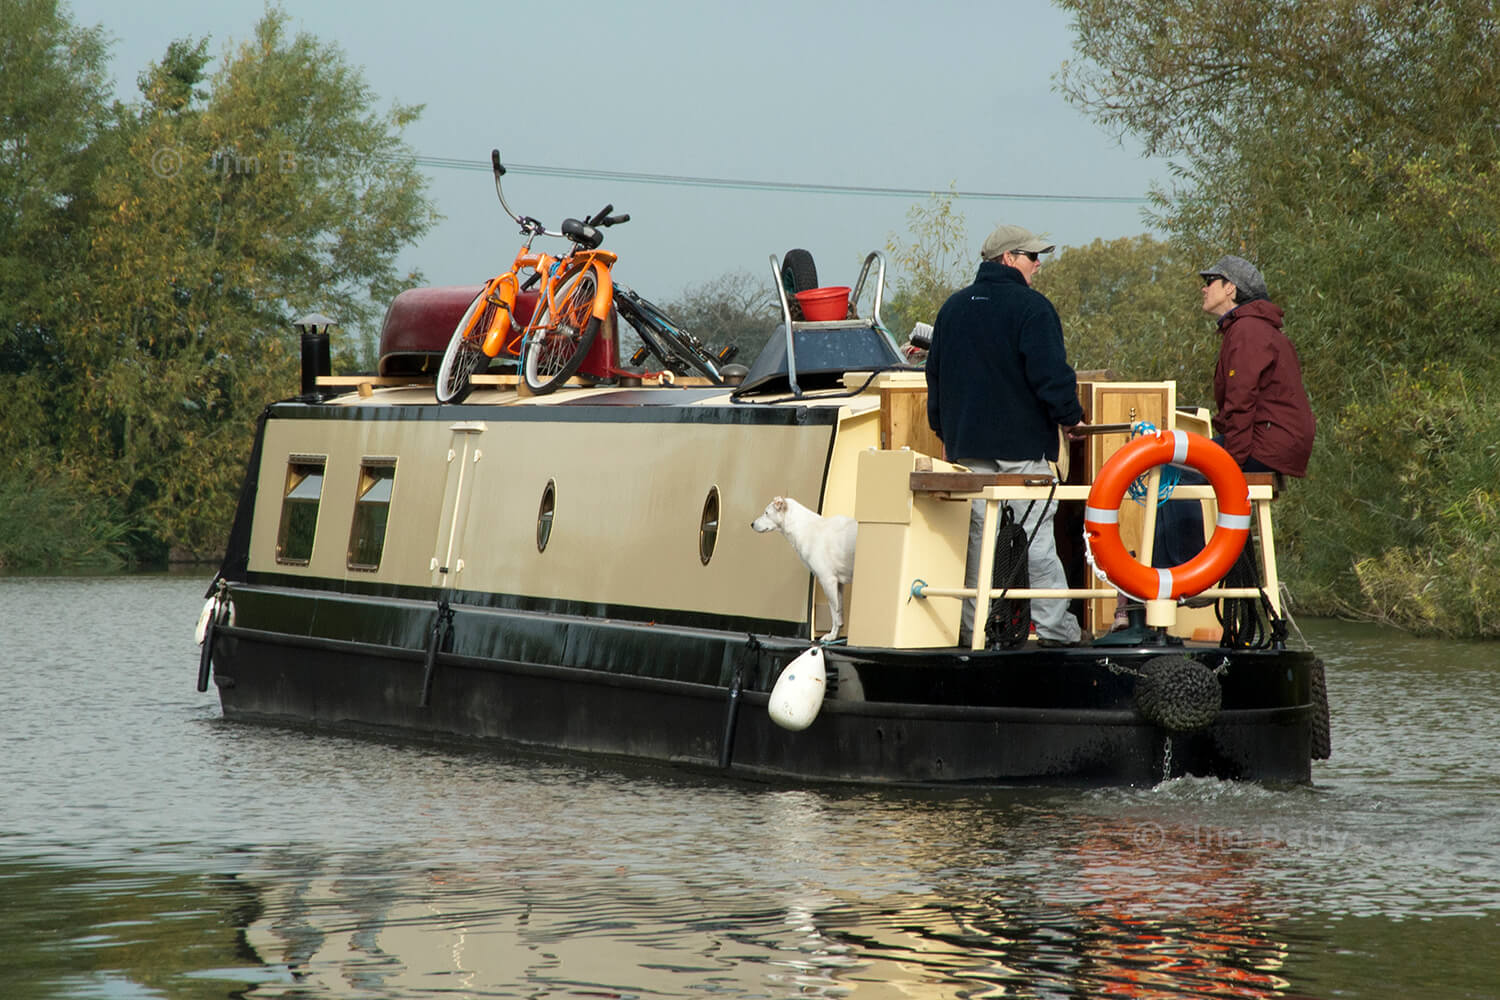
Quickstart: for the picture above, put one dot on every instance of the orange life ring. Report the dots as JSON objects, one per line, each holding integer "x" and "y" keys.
{"x": 1101, "y": 517}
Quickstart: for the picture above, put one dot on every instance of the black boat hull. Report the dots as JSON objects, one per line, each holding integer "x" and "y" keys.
{"x": 698, "y": 698}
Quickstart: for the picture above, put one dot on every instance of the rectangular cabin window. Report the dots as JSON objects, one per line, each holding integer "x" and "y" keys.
{"x": 299, "y": 510}
{"x": 372, "y": 506}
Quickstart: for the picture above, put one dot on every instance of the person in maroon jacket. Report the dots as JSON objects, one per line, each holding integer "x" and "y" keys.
{"x": 1262, "y": 416}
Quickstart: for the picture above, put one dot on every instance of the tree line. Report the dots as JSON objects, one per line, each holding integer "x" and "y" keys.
{"x": 152, "y": 254}
{"x": 1352, "y": 149}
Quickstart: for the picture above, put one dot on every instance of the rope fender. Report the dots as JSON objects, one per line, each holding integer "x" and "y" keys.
{"x": 1322, "y": 736}
{"x": 1101, "y": 518}
{"x": 1178, "y": 693}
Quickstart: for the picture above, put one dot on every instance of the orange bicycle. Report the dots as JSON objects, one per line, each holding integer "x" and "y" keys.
{"x": 574, "y": 301}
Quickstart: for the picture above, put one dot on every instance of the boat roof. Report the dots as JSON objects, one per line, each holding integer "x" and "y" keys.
{"x": 845, "y": 396}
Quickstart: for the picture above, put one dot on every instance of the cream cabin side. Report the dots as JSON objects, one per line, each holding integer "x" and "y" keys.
{"x": 640, "y": 512}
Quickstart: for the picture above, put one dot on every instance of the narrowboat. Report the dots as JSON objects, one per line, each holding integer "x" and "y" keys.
{"x": 576, "y": 572}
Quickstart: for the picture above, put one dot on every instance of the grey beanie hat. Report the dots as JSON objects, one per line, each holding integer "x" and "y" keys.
{"x": 1240, "y": 271}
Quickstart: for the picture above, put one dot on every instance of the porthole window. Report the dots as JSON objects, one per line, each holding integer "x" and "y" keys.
{"x": 372, "y": 505}
{"x": 544, "y": 516}
{"x": 299, "y": 510}
{"x": 708, "y": 526}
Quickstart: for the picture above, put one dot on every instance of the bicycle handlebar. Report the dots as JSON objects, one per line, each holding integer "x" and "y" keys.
{"x": 533, "y": 227}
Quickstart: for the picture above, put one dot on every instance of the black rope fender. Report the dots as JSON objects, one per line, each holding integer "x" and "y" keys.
{"x": 1176, "y": 692}
{"x": 442, "y": 632}
{"x": 1322, "y": 729}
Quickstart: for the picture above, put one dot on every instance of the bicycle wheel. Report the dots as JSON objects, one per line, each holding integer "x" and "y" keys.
{"x": 464, "y": 357}
{"x": 562, "y": 331}
{"x": 676, "y": 348}
{"x": 798, "y": 274}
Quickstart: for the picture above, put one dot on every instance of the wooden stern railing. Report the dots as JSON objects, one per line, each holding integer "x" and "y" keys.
{"x": 993, "y": 488}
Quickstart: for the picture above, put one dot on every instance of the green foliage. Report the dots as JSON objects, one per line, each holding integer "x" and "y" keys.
{"x": 49, "y": 522}
{"x": 1187, "y": 80}
{"x": 1131, "y": 306}
{"x": 207, "y": 216}
{"x": 1401, "y": 525}
{"x": 934, "y": 264}
{"x": 53, "y": 108}
{"x": 1349, "y": 148}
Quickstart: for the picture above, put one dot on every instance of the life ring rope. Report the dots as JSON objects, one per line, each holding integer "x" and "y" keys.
{"x": 1101, "y": 518}
{"x": 1168, "y": 480}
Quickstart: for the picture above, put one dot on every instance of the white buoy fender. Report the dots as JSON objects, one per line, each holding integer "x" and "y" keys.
{"x": 218, "y": 607}
{"x": 798, "y": 693}
{"x": 208, "y": 610}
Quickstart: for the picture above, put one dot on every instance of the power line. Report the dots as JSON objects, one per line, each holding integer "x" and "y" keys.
{"x": 795, "y": 187}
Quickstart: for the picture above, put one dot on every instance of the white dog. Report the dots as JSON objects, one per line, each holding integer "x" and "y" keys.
{"x": 824, "y": 544}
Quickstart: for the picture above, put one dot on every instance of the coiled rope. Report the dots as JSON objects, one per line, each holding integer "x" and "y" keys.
{"x": 1170, "y": 475}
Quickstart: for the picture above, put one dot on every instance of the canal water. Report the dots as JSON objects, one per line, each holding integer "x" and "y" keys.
{"x": 150, "y": 849}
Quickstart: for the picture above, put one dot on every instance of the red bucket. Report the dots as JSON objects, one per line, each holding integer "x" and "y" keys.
{"x": 825, "y": 303}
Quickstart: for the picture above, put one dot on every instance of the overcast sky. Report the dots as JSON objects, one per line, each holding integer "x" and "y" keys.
{"x": 802, "y": 93}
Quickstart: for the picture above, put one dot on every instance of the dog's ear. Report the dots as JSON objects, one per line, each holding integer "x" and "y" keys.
{"x": 780, "y": 504}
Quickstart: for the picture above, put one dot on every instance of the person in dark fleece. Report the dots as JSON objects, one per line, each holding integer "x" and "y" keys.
{"x": 998, "y": 387}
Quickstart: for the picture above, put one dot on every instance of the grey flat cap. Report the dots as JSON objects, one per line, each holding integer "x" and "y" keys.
{"x": 1240, "y": 271}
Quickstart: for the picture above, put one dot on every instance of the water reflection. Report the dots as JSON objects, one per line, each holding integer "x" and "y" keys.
{"x": 81, "y": 932}
{"x": 1114, "y": 914}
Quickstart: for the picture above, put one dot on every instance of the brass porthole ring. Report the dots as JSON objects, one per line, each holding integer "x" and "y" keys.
{"x": 708, "y": 526}
{"x": 544, "y": 516}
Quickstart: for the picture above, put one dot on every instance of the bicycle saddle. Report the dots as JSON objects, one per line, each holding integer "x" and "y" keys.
{"x": 582, "y": 233}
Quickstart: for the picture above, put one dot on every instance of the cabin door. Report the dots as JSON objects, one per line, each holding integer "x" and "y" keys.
{"x": 464, "y": 454}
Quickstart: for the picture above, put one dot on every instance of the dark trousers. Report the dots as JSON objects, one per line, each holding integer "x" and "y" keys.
{"x": 1179, "y": 523}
